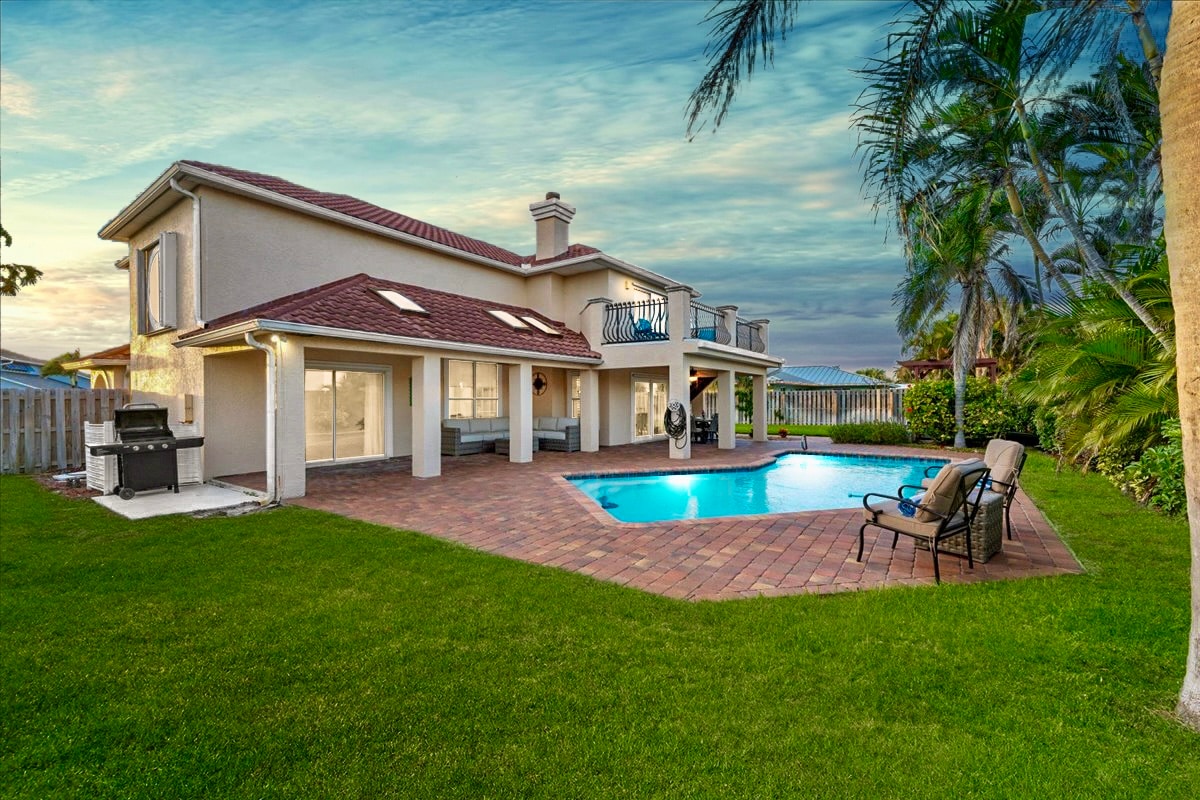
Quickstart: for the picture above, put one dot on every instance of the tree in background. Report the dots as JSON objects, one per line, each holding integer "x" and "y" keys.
{"x": 13, "y": 277}
{"x": 873, "y": 372}
{"x": 55, "y": 367}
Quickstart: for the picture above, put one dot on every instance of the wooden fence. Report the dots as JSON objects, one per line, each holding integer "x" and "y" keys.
{"x": 827, "y": 406}
{"x": 42, "y": 429}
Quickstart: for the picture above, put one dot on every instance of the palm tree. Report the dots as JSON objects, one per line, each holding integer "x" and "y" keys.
{"x": 959, "y": 245}
{"x": 745, "y": 31}
{"x": 1111, "y": 381}
{"x": 1181, "y": 187}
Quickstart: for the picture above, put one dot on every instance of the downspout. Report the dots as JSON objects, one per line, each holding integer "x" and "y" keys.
{"x": 196, "y": 272}
{"x": 272, "y": 411}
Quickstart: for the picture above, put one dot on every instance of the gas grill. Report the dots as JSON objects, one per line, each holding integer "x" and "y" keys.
{"x": 145, "y": 449}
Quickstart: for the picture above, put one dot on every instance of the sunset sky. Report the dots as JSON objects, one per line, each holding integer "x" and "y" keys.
{"x": 459, "y": 114}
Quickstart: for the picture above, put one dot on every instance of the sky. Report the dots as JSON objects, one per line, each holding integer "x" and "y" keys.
{"x": 459, "y": 114}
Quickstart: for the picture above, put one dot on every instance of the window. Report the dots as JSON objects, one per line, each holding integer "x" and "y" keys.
{"x": 574, "y": 387}
{"x": 473, "y": 389}
{"x": 345, "y": 414}
{"x": 507, "y": 318}
{"x": 541, "y": 326}
{"x": 156, "y": 273}
{"x": 400, "y": 301}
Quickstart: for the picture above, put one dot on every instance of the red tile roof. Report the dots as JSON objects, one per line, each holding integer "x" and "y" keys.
{"x": 369, "y": 212}
{"x": 352, "y": 304}
{"x": 111, "y": 354}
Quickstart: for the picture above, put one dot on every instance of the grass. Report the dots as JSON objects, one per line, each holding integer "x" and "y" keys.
{"x": 793, "y": 430}
{"x": 298, "y": 654}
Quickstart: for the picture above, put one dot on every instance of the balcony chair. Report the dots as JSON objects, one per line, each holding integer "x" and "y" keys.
{"x": 944, "y": 510}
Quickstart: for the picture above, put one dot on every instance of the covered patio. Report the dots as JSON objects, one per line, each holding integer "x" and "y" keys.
{"x": 530, "y": 512}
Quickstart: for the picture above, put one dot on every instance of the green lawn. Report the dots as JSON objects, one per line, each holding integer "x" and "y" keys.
{"x": 297, "y": 654}
{"x": 793, "y": 430}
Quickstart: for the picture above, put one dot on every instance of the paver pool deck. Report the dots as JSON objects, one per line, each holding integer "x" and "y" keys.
{"x": 532, "y": 513}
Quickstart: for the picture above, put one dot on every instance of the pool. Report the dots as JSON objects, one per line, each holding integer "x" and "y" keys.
{"x": 795, "y": 482}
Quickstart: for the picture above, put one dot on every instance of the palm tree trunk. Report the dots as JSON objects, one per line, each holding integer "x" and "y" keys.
{"x": 1094, "y": 263}
{"x": 1041, "y": 257}
{"x": 1154, "y": 57}
{"x": 1181, "y": 187}
{"x": 966, "y": 343}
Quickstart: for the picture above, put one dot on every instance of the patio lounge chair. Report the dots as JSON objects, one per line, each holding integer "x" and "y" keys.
{"x": 1005, "y": 460}
{"x": 944, "y": 510}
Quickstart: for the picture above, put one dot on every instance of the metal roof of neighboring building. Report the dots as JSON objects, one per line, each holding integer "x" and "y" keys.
{"x": 822, "y": 376}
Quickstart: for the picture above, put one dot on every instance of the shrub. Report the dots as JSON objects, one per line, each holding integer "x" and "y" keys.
{"x": 1045, "y": 422}
{"x": 1156, "y": 478}
{"x": 870, "y": 433}
{"x": 990, "y": 411}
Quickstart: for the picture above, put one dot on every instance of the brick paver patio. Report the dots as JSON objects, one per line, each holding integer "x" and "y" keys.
{"x": 532, "y": 513}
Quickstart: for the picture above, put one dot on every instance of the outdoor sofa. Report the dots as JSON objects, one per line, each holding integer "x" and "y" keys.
{"x": 461, "y": 437}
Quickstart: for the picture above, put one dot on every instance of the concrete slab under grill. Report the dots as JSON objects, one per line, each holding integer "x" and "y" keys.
{"x": 191, "y": 499}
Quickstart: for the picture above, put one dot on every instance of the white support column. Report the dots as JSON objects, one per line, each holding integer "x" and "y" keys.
{"x": 727, "y": 408}
{"x": 760, "y": 408}
{"x": 589, "y": 410}
{"x": 679, "y": 388}
{"x": 520, "y": 413}
{"x": 289, "y": 423}
{"x": 427, "y": 417}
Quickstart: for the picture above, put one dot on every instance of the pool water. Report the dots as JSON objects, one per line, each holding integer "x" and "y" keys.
{"x": 795, "y": 482}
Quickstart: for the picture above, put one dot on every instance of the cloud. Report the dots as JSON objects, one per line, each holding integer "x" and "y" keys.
{"x": 16, "y": 96}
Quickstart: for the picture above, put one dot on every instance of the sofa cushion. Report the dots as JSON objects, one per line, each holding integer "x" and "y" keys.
{"x": 473, "y": 437}
{"x": 561, "y": 435}
{"x": 500, "y": 423}
{"x": 457, "y": 424}
{"x": 480, "y": 425}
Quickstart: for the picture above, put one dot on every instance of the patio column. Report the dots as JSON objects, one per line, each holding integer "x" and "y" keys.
{"x": 589, "y": 410}
{"x": 727, "y": 408}
{"x": 679, "y": 388}
{"x": 427, "y": 417}
{"x": 289, "y": 423}
{"x": 520, "y": 413}
{"x": 760, "y": 408}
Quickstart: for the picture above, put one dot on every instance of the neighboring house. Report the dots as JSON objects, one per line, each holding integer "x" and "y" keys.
{"x": 22, "y": 372}
{"x": 820, "y": 378}
{"x": 109, "y": 369}
{"x": 299, "y": 327}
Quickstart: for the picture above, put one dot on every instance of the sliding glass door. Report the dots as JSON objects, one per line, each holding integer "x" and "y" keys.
{"x": 649, "y": 407}
{"x": 345, "y": 414}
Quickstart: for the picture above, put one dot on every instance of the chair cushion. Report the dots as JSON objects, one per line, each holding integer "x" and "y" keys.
{"x": 1002, "y": 458}
{"x": 940, "y": 495}
{"x": 887, "y": 513}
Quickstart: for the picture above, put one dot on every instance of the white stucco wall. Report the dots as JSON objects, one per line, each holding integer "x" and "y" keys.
{"x": 235, "y": 404}
{"x": 255, "y": 252}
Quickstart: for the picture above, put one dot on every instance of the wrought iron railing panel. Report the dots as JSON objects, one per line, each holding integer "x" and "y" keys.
{"x": 708, "y": 324}
{"x": 636, "y": 321}
{"x": 748, "y": 337}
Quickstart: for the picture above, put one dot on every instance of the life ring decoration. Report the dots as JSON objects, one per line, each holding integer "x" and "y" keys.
{"x": 675, "y": 423}
{"x": 540, "y": 383}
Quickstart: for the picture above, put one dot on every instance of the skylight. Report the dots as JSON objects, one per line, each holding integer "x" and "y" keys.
{"x": 399, "y": 301}
{"x": 541, "y": 326}
{"x": 507, "y": 318}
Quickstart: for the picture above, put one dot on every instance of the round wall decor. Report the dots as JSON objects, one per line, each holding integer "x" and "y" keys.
{"x": 540, "y": 384}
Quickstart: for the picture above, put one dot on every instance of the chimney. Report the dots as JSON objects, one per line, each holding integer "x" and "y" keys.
{"x": 552, "y": 217}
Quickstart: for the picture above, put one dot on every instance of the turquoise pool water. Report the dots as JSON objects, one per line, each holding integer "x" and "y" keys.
{"x": 795, "y": 482}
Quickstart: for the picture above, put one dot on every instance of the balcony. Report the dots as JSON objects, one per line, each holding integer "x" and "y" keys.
{"x": 649, "y": 321}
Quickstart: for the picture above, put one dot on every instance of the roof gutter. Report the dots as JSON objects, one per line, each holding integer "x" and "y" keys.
{"x": 272, "y": 411}
{"x": 197, "y": 282}
{"x": 222, "y": 335}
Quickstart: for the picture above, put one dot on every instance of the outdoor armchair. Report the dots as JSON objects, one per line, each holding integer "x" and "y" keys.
{"x": 942, "y": 511}
{"x": 1004, "y": 460}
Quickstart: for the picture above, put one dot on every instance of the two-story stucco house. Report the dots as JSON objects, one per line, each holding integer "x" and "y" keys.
{"x": 298, "y": 327}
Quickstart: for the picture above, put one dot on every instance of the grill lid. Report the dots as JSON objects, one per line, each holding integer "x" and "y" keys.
{"x": 141, "y": 420}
